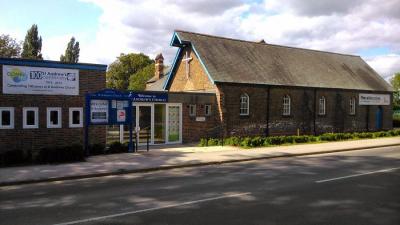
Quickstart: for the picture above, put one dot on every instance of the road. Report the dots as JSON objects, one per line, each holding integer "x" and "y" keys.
{"x": 357, "y": 187}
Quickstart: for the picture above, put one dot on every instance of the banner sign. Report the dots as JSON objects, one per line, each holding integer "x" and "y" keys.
{"x": 374, "y": 99}
{"x": 149, "y": 97}
{"x": 99, "y": 111}
{"x": 40, "y": 80}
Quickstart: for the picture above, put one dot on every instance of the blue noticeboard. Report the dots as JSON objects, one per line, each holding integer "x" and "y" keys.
{"x": 108, "y": 107}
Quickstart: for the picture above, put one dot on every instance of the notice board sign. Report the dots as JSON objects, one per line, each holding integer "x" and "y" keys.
{"x": 99, "y": 111}
{"x": 374, "y": 99}
{"x": 40, "y": 80}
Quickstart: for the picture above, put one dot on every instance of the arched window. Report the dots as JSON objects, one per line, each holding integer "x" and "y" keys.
{"x": 244, "y": 104}
{"x": 286, "y": 105}
{"x": 322, "y": 106}
{"x": 352, "y": 106}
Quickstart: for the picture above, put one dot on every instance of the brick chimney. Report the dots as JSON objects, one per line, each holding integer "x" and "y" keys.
{"x": 159, "y": 63}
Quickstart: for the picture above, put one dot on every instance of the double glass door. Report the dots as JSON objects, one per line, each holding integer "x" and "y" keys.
{"x": 160, "y": 123}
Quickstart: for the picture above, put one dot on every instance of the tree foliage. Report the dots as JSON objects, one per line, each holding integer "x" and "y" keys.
{"x": 126, "y": 66}
{"x": 9, "y": 47}
{"x": 395, "y": 81}
{"x": 137, "y": 82}
{"x": 32, "y": 46}
{"x": 72, "y": 52}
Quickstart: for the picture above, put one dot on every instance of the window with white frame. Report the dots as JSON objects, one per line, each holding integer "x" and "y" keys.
{"x": 54, "y": 117}
{"x": 286, "y": 105}
{"x": 244, "y": 104}
{"x": 75, "y": 117}
{"x": 192, "y": 110}
{"x": 30, "y": 117}
{"x": 207, "y": 109}
{"x": 352, "y": 106}
{"x": 322, "y": 106}
{"x": 6, "y": 117}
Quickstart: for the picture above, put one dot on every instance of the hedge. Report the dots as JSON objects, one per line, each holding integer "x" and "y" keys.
{"x": 251, "y": 142}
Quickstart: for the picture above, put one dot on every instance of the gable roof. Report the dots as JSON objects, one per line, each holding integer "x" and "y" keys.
{"x": 228, "y": 60}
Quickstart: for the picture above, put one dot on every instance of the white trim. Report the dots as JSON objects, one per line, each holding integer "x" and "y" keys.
{"x": 286, "y": 105}
{"x": 247, "y": 107}
{"x": 194, "y": 110}
{"x": 11, "y": 110}
{"x": 71, "y": 110}
{"x": 24, "y": 111}
{"x": 59, "y": 117}
{"x": 209, "y": 110}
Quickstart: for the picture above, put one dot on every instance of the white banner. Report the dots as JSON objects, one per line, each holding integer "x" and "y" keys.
{"x": 40, "y": 80}
{"x": 374, "y": 99}
{"x": 99, "y": 111}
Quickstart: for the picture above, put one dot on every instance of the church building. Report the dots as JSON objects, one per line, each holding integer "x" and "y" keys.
{"x": 266, "y": 89}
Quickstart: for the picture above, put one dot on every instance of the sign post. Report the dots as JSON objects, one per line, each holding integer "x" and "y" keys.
{"x": 108, "y": 107}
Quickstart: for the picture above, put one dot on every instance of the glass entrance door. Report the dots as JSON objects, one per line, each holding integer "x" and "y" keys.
{"x": 174, "y": 124}
{"x": 144, "y": 123}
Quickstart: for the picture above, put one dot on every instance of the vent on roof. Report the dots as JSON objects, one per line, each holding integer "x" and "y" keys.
{"x": 262, "y": 41}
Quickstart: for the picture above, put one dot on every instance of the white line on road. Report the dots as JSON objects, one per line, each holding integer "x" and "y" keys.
{"x": 152, "y": 209}
{"x": 357, "y": 175}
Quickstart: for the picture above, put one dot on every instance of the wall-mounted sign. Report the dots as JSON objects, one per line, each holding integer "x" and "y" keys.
{"x": 121, "y": 115}
{"x": 99, "y": 111}
{"x": 155, "y": 97}
{"x": 40, "y": 80}
{"x": 374, "y": 99}
{"x": 200, "y": 119}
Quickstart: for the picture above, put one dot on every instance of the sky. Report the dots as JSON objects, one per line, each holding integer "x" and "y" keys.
{"x": 106, "y": 28}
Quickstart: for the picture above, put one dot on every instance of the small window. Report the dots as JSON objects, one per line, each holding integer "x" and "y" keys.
{"x": 54, "y": 117}
{"x": 244, "y": 104}
{"x": 322, "y": 106}
{"x": 207, "y": 110}
{"x": 286, "y": 105}
{"x": 192, "y": 110}
{"x": 352, "y": 106}
{"x": 30, "y": 117}
{"x": 75, "y": 117}
{"x": 6, "y": 118}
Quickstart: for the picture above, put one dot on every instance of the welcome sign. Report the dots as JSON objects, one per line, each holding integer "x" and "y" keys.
{"x": 40, "y": 80}
{"x": 374, "y": 99}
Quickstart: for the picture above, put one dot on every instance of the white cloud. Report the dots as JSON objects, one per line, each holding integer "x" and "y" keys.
{"x": 385, "y": 65}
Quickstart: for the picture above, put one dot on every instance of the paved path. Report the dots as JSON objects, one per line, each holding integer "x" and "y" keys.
{"x": 174, "y": 156}
{"x": 346, "y": 188}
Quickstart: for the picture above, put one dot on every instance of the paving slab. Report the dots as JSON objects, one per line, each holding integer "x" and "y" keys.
{"x": 175, "y": 156}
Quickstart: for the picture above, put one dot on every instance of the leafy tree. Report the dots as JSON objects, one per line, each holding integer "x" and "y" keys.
{"x": 32, "y": 46}
{"x": 72, "y": 52}
{"x": 9, "y": 48}
{"x": 127, "y": 65}
{"x": 395, "y": 81}
{"x": 137, "y": 82}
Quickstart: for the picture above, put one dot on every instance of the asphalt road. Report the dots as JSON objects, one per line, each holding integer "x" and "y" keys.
{"x": 357, "y": 187}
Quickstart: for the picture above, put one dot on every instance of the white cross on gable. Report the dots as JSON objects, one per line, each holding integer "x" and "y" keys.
{"x": 187, "y": 60}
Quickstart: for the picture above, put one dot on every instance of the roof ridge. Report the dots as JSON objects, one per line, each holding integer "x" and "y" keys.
{"x": 255, "y": 42}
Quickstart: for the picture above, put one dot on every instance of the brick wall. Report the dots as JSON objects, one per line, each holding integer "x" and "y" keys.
{"x": 304, "y": 107}
{"x": 34, "y": 139}
{"x": 198, "y": 79}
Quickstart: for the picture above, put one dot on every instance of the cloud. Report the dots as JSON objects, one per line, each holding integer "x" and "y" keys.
{"x": 340, "y": 26}
{"x": 385, "y": 65}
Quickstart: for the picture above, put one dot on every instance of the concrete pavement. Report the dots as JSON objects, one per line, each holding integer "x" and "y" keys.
{"x": 275, "y": 191}
{"x": 173, "y": 157}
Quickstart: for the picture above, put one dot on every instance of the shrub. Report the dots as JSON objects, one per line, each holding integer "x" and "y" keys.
{"x": 71, "y": 153}
{"x": 363, "y": 135}
{"x": 246, "y": 142}
{"x": 234, "y": 141}
{"x": 203, "y": 142}
{"x": 301, "y": 139}
{"x": 96, "y": 149}
{"x": 214, "y": 142}
{"x": 277, "y": 140}
{"x": 14, "y": 157}
{"x": 116, "y": 147}
{"x": 257, "y": 142}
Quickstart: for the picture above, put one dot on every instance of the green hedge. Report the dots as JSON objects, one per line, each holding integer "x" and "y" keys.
{"x": 251, "y": 142}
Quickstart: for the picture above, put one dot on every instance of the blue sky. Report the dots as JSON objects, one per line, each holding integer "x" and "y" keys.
{"x": 106, "y": 28}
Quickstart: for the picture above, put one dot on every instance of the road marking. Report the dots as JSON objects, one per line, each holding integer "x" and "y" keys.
{"x": 152, "y": 209}
{"x": 357, "y": 175}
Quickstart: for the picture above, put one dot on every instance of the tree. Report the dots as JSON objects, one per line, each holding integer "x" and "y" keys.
{"x": 127, "y": 65}
{"x": 137, "y": 82}
{"x": 9, "y": 47}
{"x": 72, "y": 52}
{"x": 32, "y": 46}
{"x": 395, "y": 81}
